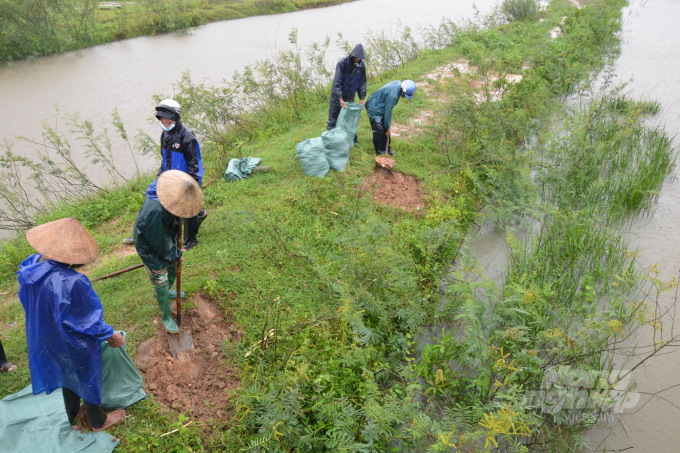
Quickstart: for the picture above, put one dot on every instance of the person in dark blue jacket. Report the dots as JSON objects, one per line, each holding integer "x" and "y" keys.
{"x": 379, "y": 108}
{"x": 184, "y": 155}
{"x": 350, "y": 79}
{"x": 64, "y": 320}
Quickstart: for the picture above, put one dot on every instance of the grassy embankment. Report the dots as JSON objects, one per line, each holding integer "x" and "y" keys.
{"x": 39, "y": 27}
{"x": 354, "y": 281}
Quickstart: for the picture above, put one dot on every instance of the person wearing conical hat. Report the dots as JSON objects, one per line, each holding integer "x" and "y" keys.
{"x": 64, "y": 320}
{"x": 173, "y": 196}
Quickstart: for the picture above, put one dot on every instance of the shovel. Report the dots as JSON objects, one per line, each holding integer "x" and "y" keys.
{"x": 182, "y": 340}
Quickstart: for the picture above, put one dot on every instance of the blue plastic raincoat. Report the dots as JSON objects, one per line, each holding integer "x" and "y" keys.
{"x": 64, "y": 328}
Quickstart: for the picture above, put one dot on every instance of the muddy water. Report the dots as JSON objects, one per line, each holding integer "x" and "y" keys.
{"x": 649, "y": 424}
{"x": 650, "y": 56}
{"x": 126, "y": 74}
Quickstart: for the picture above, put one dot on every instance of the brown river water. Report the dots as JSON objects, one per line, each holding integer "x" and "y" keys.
{"x": 126, "y": 74}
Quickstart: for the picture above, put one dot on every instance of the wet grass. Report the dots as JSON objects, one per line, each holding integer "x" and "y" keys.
{"x": 346, "y": 283}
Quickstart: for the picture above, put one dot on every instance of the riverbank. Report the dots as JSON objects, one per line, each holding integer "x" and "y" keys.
{"x": 323, "y": 286}
{"x": 31, "y": 29}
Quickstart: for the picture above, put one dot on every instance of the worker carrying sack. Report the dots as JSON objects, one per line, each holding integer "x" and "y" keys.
{"x": 333, "y": 146}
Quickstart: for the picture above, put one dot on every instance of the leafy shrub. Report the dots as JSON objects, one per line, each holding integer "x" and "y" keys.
{"x": 520, "y": 9}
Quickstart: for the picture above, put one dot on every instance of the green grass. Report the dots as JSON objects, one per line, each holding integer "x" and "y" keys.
{"x": 355, "y": 280}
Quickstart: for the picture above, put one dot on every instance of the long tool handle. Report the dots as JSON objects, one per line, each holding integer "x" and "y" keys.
{"x": 387, "y": 147}
{"x": 179, "y": 277}
{"x": 127, "y": 269}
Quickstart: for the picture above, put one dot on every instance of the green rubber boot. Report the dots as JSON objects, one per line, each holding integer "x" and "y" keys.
{"x": 172, "y": 276}
{"x": 172, "y": 294}
{"x": 164, "y": 304}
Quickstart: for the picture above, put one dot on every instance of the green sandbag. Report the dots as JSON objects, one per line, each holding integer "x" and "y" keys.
{"x": 312, "y": 157}
{"x": 336, "y": 148}
{"x": 348, "y": 120}
{"x": 121, "y": 382}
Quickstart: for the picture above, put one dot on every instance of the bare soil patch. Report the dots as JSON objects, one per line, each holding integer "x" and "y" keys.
{"x": 198, "y": 382}
{"x": 391, "y": 188}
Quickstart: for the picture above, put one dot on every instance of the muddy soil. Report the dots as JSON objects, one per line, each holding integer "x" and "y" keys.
{"x": 198, "y": 382}
{"x": 391, "y": 188}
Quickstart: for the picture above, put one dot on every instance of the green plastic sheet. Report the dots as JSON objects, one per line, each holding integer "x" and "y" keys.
{"x": 38, "y": 423}
{"x": 241, "y": 168}
{"x": 331, "y": 150}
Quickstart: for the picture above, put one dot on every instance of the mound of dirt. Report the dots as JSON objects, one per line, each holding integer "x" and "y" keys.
{"x": 391, "y": 188}
{"x": 198, "y": 381}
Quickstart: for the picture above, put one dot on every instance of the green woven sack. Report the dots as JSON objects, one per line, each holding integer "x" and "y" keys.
{"x": 336, "y": 148}
{"x": 348, "y": 120}
{"x": 312, "y": 157}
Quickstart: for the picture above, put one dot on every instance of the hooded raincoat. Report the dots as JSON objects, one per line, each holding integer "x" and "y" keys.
{"x": 64, "y": 328}
{"x": 155, "y": 234}
{"x": 349, "y": 80}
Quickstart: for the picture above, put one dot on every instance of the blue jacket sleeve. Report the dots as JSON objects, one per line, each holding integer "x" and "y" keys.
{"x": 85, "y": 314}
{"x": 362, "y": 85}
{"x": 191, "y": 156}
{"x": 336, "y": 90}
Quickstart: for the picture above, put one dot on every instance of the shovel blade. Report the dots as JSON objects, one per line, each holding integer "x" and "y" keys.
{"x": 179, "y": 342}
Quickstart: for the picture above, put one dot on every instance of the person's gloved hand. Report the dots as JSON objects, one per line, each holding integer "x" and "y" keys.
{"x": 117, "y": 340}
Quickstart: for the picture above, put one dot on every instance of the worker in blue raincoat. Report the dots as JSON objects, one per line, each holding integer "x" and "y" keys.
{"x": 350, "y": 79}
{"x": 379, "y": 108}
{"x": 64, "y": 320}
{"x": 180, "y": 151}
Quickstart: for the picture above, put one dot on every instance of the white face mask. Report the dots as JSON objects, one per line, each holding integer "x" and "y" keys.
{"x": 357, "y": 63}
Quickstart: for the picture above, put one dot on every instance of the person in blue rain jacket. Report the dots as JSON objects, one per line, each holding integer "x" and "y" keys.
{"x": 179, "y": 151}
{"x": 64, "y": 320}
{"x": 379, "y": 108}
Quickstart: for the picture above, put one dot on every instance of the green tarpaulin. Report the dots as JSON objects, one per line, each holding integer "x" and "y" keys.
{"x": 331, "y": 150}
{"x": 38, "y": 424}
{"x": 241, "y": 168}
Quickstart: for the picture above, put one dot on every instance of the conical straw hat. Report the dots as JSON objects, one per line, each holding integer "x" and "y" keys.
{"x": 179, "y": 193}
{"x": 63, "y": 240}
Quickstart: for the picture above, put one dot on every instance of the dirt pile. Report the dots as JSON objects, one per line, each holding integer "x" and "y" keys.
{"x": 198, "y": 382}
{"x": 391, "y": 188}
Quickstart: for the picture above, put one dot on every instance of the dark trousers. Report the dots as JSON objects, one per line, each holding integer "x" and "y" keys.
{"x": 72, "y": 402}
{"x": 191, "y": 226}
{"x": 3, "y": 359}
{"x": 379, "y": 137}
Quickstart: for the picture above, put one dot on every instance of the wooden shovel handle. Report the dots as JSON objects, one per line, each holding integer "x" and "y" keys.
{"x": 179, "y": 277}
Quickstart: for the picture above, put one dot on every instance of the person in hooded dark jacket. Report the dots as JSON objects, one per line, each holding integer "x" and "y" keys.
{"x": 350, "y": 79}
{"x": 184, "y": 155}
